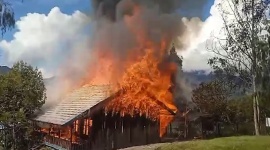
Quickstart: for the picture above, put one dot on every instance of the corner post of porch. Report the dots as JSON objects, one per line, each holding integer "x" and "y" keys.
{"x": 71, "y": 133}
{"x": 59, "y": 133}
{"x": 49, "y": 130}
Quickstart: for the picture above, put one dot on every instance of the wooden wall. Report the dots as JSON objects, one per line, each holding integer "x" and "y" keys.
{"x": 114, "y": 132}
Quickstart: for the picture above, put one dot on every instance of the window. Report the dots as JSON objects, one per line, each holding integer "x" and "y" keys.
{"x": 87, "y": 125}
{"x": 76, "y": 125}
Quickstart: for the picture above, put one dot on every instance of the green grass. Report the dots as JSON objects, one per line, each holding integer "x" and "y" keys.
{"x": 229, "y": 143}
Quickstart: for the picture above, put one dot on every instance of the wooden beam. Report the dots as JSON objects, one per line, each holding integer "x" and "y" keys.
{"x": 50, "y": 130}
{"x": 59, "y": 133}
{"x": 71, "y": 133}
{"x": 161, "y": 103}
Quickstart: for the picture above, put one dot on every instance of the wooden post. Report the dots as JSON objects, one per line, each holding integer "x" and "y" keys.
{"x": 130, "y": 130}
{"x": 170, "y": 128}
{"x": 114, "y": 132}
{"x": 59, "y": 133}
{"x": 218, "y": 127}
{"x": 202, "y": 128}
{"x": 147, "y": 130}
{"x": 49, "y": 130}
{"x": 71, "y": 133}
{"x": 105, "y": 130}
{"x": 122, "y": 124}
{"x": 185, "y": 126}
{"x": 159, "y": 127}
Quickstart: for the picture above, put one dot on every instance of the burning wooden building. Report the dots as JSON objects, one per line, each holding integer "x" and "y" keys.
{"x": 81, "y": 122}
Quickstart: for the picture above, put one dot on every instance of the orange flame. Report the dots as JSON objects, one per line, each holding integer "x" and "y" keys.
{"x": 144, "y": 77}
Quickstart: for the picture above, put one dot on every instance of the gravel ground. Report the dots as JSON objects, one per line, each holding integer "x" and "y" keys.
{"x": 145, "y": 147}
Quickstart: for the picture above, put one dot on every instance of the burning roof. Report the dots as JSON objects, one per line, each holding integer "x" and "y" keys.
{"x": 86, "y": 97}
{"x": 75, "y": 103}
{"x": 132, "y": 54}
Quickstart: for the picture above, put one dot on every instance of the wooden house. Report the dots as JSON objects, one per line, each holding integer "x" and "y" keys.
{"x": 79, "y": 122}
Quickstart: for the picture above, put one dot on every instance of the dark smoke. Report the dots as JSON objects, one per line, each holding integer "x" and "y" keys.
{"x": 158, "y": 19}
{"x": 108, "y": 8}
{"x": 113, "y": 35}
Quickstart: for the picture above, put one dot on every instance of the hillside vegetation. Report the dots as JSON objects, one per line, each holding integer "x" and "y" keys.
{"x": 230, "y": 143}
{"x": 4, "y": 69}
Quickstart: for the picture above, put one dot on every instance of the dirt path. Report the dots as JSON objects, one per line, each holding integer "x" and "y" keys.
{"x": 145, "y": 147}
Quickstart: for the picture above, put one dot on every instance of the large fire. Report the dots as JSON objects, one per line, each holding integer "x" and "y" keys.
{"x": 143, "y": 77}
{"x": 130, "y": 48}
{"x": 142, "y": 85}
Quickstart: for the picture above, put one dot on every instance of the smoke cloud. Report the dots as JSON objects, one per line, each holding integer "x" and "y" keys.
{"x": 108, "y": 8}
{"x": 158, "y": 17}
{"x": 116, "y": 25}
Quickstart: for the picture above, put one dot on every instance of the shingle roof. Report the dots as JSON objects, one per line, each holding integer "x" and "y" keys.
{"x": 75, "y": 103}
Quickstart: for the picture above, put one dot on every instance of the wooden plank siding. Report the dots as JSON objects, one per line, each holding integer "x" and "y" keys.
{"x": 112, "y": 131}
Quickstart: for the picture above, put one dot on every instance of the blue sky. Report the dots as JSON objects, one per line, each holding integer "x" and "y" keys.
{"x": 66, "y": 6}
{"x": 44, "y": 7}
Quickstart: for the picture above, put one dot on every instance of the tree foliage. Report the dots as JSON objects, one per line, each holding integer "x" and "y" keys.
{"x": 239, "y": 53}
{"x": 264, "y": 73}
{"x": 239, "y": 110}
{"x": 22, "y": 92}
{"x": 213, "y": 98}
{"x": 7, "y": 17}
{"x": 210, "y": 98}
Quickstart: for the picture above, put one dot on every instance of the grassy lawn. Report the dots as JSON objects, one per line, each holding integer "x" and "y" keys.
{"x": 229, "y": 143}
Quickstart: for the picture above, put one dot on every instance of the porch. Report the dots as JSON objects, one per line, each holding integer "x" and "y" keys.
{"x": 110, "y": 131}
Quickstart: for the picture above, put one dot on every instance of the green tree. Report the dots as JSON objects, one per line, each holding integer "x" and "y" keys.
{"x": 22, "y": 92}
{"x": 239, "y": 111}
{"x": 216, "y": 98}
{"x": 238, "y": 52}
{"x": 264, "y": 73}
{"x": 211, "y": 98}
